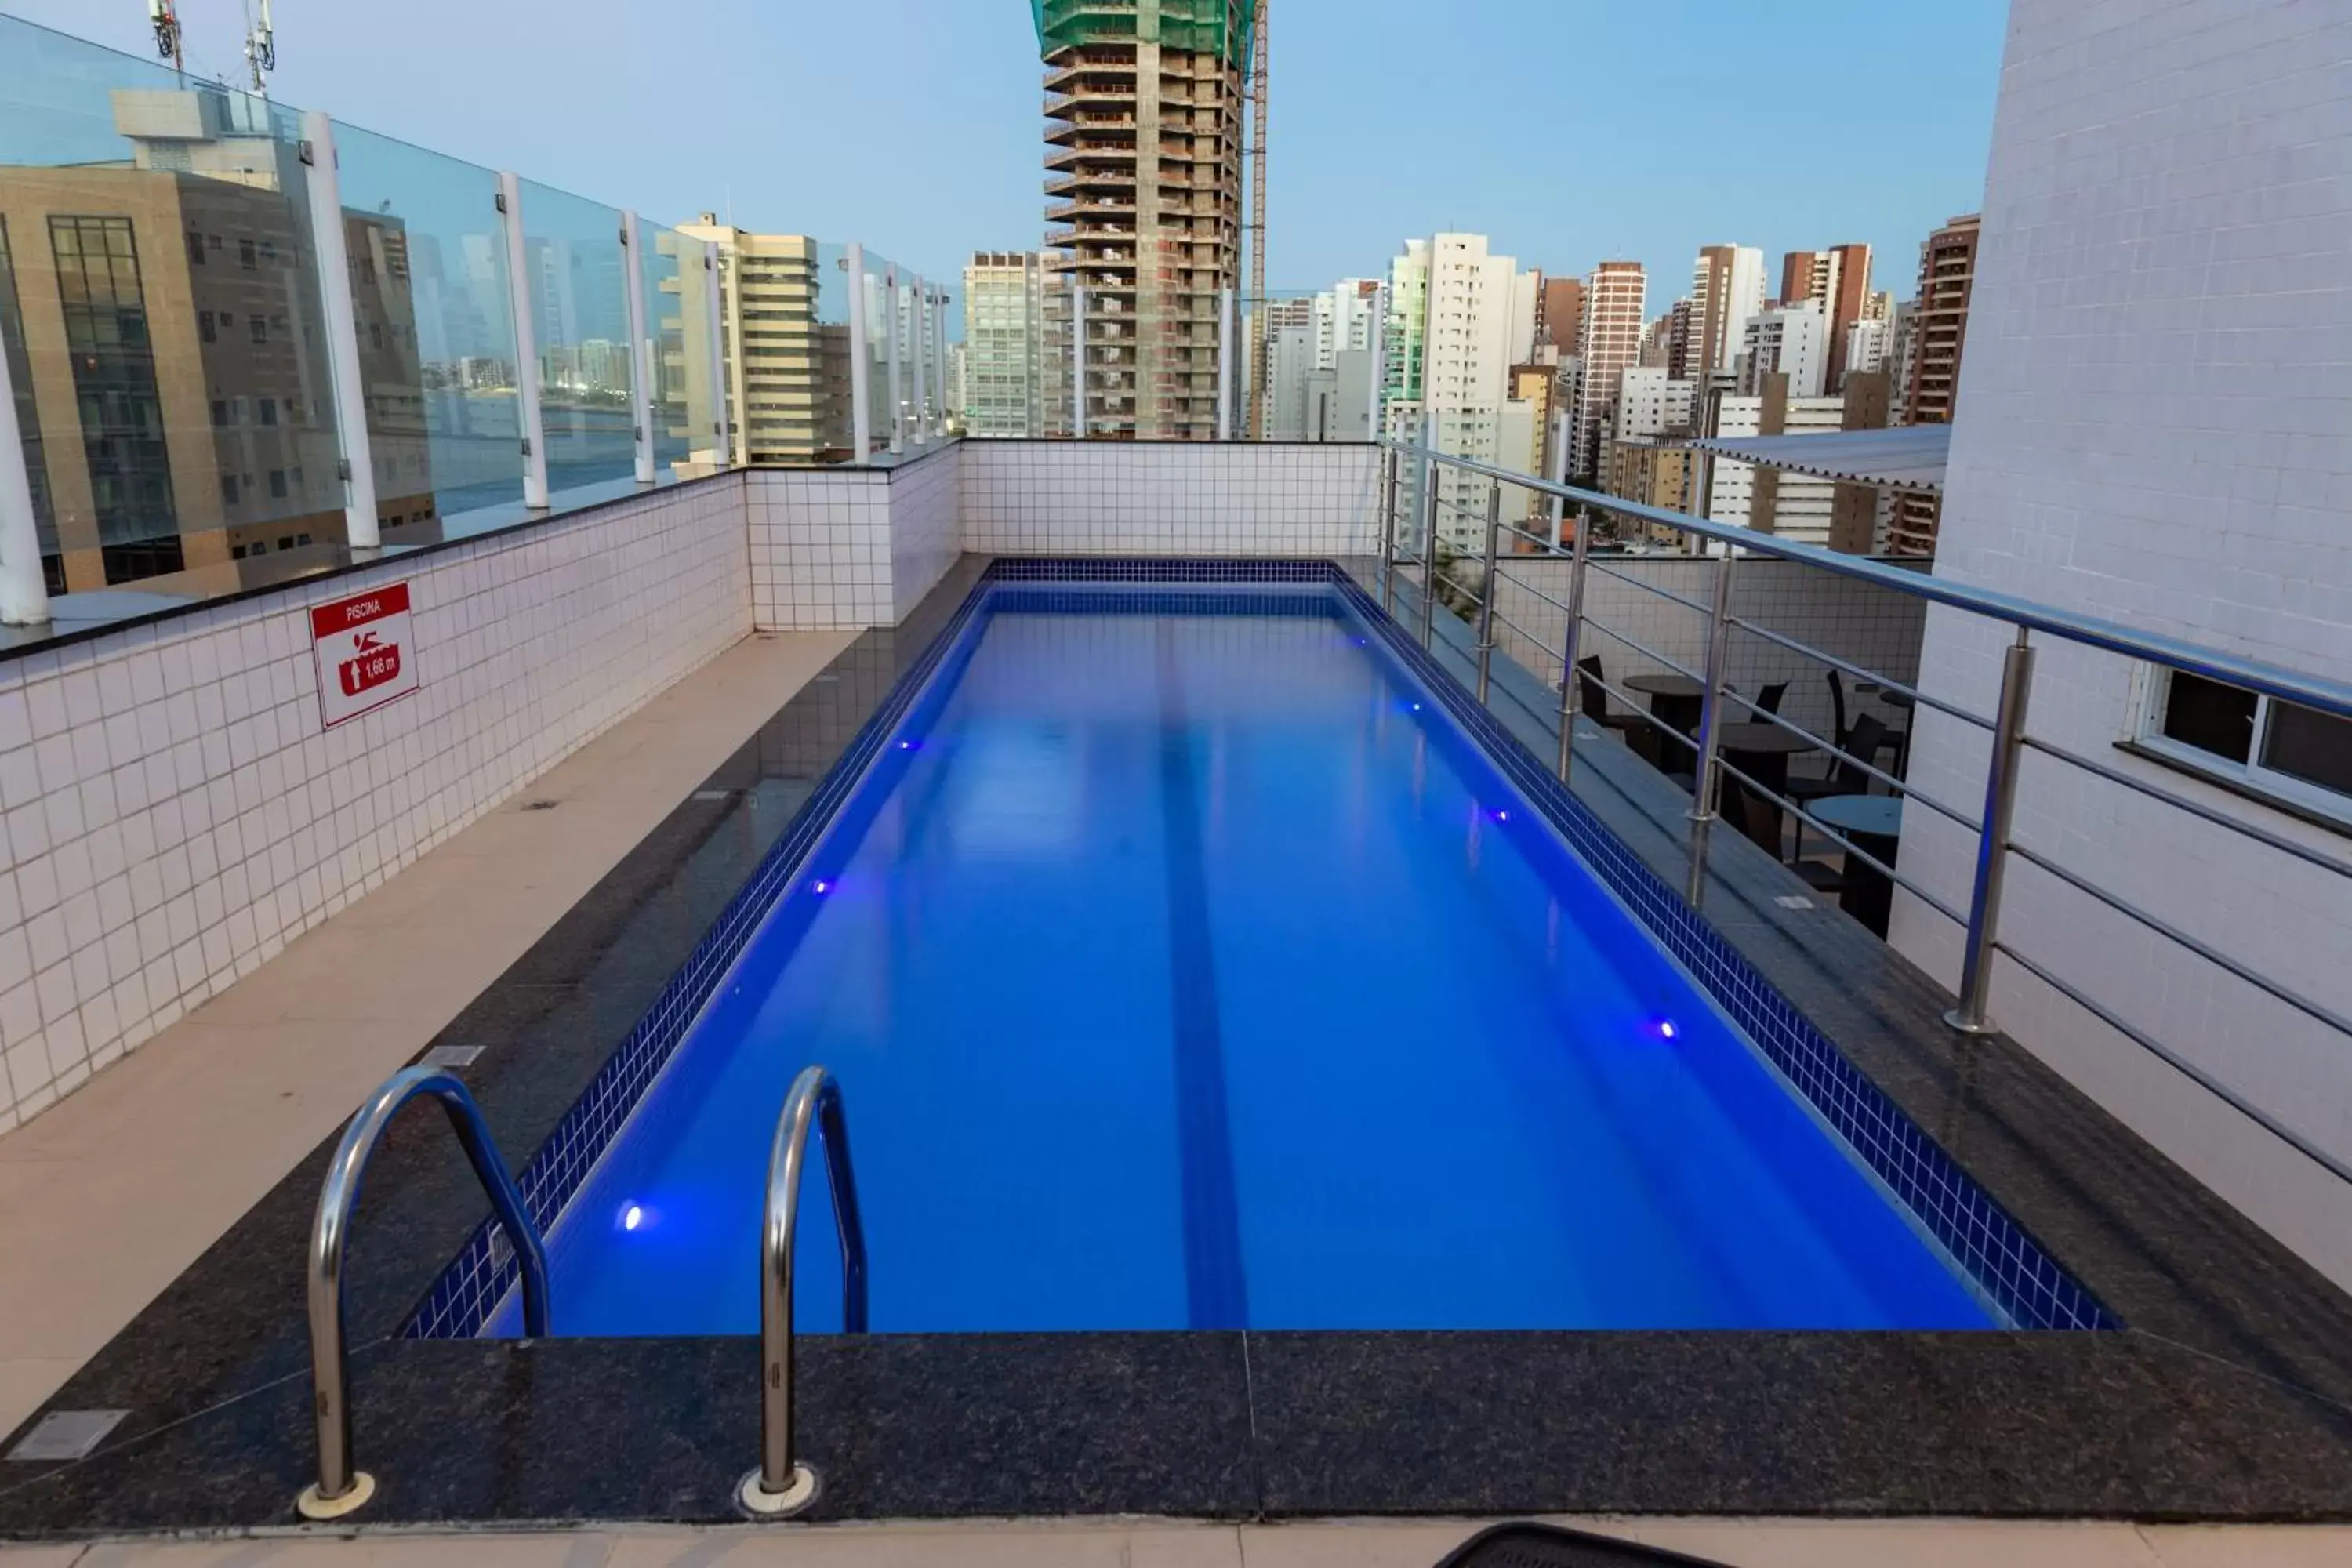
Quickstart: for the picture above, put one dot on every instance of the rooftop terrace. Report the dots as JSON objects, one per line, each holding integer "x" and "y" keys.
{"x": 2011, "y": 893}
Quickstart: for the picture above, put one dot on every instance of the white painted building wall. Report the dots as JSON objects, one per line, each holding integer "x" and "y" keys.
{"x": 1868, "y": 344}
{"x": 1651, "y": 402}
{"x": 2159, "y": 431}
{"x": 1793, "y": 341}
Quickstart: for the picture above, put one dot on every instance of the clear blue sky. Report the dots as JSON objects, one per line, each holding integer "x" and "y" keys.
{"x": 1568, "y": 130}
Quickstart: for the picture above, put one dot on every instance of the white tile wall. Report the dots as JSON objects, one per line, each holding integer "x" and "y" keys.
{"x": 1876, "y": 628}
{"x": 846, "y": 548}
{"x": 2155, "y": 426}
{"x": 1097, "y": 497}
{"x": 174, "y": 815}
{"x": 820, "y": 548}
{"x": 926, "y": 527}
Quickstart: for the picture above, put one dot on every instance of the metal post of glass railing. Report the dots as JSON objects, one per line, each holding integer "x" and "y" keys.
{"x": 1225, "y": 366}
{"x": 1388, "y": 529}
{"x": 1971, "y": 1017}
{"x": 890, "y": 358}
{"x": 861, "y": 416}
{"x": 1708, "y": 787}
{"x": 916, "y": 298}
{"x": 1428, "y": 546}
{"x": 1078, "y": 357}
{"x": 640, "y": 364}
{"x": 24, "y": 587}
{"x": 1570, "y": 699}
{"x": 723, "y": 439}
{"x": 322, "y": 183}
{"x": 526, "y": 339}
{"x": 1487, "y": 595}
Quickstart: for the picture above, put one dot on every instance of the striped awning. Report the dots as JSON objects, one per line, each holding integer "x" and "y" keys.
{"x": 1907, "y": 457}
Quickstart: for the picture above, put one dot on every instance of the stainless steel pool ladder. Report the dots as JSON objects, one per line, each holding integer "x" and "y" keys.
{"x": 782, "y": 1486}
{"x": 340, "y": 1489}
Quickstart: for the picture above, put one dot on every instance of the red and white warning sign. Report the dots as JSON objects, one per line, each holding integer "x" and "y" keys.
{"x": 366, "y": 652}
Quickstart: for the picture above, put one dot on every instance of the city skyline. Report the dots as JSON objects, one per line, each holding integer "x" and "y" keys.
{"x": 1902, "y": 111}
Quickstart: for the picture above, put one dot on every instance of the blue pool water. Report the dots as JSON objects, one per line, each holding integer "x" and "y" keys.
{"x": 1191, "y": 971}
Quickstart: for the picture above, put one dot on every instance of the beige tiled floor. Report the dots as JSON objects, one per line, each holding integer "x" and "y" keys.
{"x": 1738, "y": 1543}
{"x": 114, "y": 1191}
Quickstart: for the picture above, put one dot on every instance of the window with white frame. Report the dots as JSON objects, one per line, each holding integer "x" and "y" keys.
{"x": 2282, "y": 749}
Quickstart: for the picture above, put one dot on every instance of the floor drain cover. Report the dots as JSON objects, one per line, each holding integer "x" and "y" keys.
{"x": 67, "y": 1435}
{"x": 451, "y": 1056}
{"x": 1543, "y": 1546}
{"x": 538, "y": 805}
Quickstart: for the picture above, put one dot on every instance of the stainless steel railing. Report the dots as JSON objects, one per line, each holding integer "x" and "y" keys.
{"x": 340, "y": 1489}
{"x": 1993, "y": 822}
{"x": 782, "y": 1486}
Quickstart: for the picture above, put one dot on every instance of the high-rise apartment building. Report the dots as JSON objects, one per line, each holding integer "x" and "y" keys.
{"x": 1947, "y": 266}
{"x": 1005, "y": 389}
{"x": 1285, "y": 331}
{"x": 1559, "y": 313}
{"x": 1838, "y": 281}
{"x": 1869, "y": 344}
{"x": 1314, "y": 364}
{"x": 1616, "y": 296}
{"x": 1803, "y": 508}
{"x": 1726, "y": 291}
{"x": 1652, "y": 403}
{"x": 1939, "y": 329}
{"x": 1789, "y": 340}
{"x": 1143, "y": 150}
{"x": 788, "y": 381}
{"x": 1460, "y": 318}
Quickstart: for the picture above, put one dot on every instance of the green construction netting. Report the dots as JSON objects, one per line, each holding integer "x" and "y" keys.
{"x": 1220, "y": 27}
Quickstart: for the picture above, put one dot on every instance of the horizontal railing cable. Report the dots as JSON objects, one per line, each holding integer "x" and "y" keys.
{"x": 2181, "y": 1065}
{"x": 2332, "y": 697}
{"x": 1594, "y": 563}
{"x": 1861, "y": 672}
{"x": 2195, "y": 808}
{"x": 2301, "y": 1004}
{"x": 1843, "y": 842}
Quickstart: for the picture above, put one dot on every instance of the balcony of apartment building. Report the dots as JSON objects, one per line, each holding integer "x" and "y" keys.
{"x": 1116, "y": 179}
{"x": 1874, "y": 1037}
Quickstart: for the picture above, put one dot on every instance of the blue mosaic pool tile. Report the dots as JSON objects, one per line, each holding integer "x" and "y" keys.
{"x": 2007, "y": 1263}
{"x": 2022, "y": 1280}
{"x": 1175, "y": 569}
{"x": 1261, "y": 601}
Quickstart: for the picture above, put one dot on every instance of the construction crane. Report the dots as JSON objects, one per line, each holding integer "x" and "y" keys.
{"x": 1257, "y": 230}
{"x": 166, "y": 22}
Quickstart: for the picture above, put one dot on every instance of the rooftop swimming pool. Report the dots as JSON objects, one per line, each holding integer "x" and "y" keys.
{"x": 1185, "y": 966}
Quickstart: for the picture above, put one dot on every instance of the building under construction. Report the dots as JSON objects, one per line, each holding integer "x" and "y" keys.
{"x": 1143, "y": 163}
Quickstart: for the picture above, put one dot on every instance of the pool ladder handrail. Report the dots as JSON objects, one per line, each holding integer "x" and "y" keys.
{"x": 782, "y": 1486}
{"x": 340, "y": 1489}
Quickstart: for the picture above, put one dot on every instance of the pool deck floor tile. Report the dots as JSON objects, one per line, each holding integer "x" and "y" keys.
{"x": 160, "y": 1154}
{"x": 1736, "y": 1544}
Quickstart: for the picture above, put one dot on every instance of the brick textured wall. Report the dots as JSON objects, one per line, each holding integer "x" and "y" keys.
{"x": 2155, "y": 426}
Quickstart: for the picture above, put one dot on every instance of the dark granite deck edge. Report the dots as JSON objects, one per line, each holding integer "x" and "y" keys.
{"x": 2139, "y": 1424}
